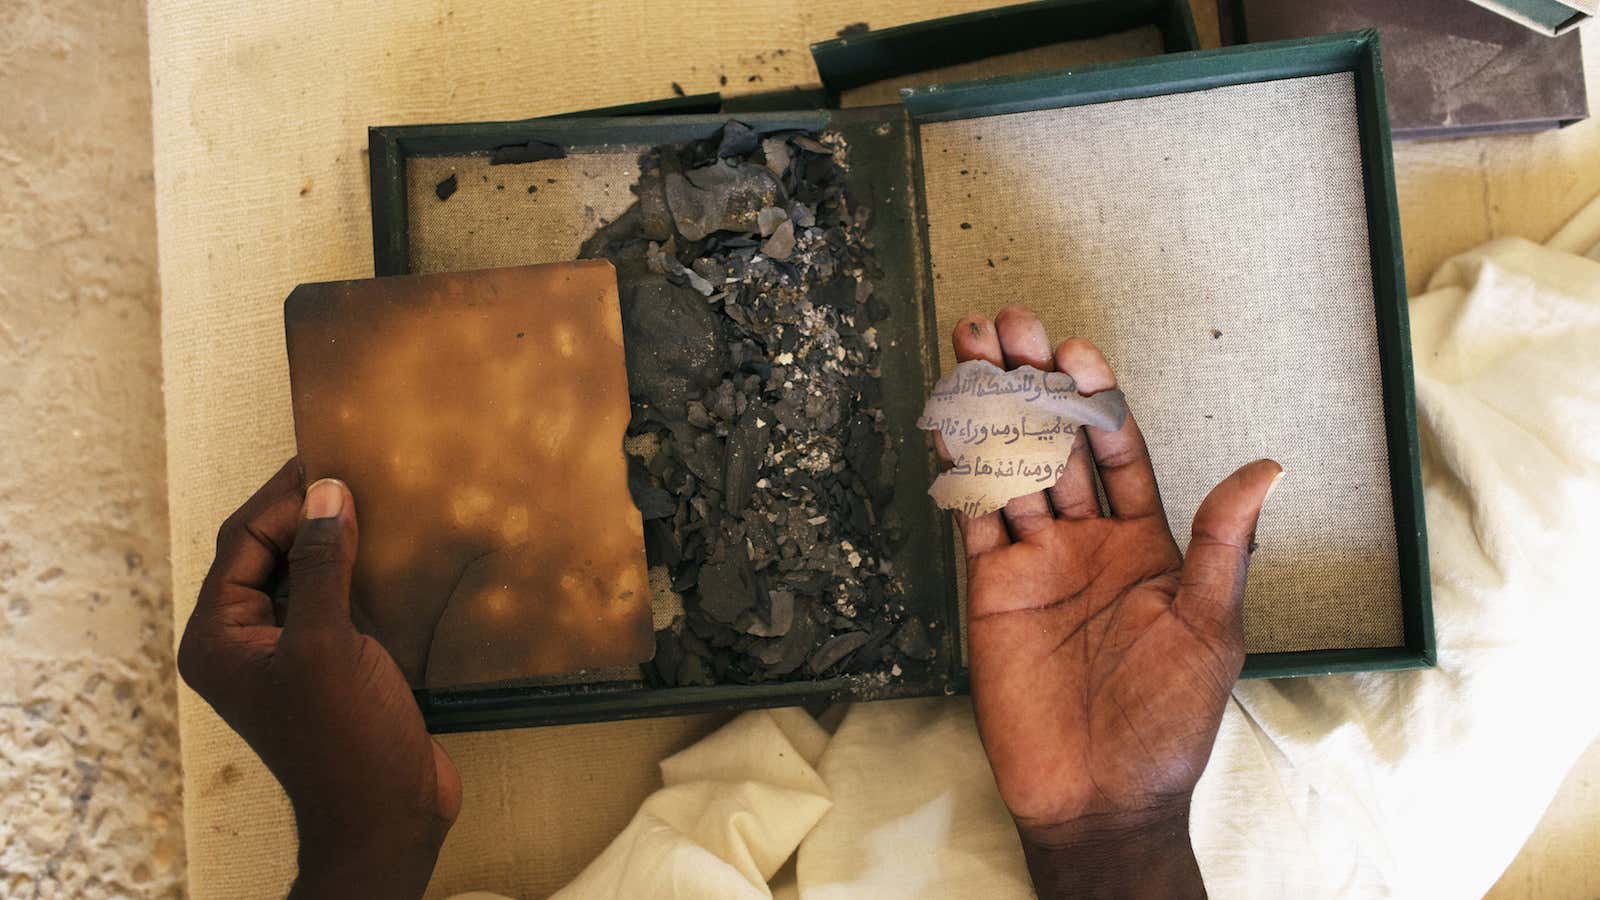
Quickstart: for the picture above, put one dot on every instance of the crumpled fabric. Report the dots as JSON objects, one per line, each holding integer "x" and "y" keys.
{"x": 732, "y": 809}
{"x": 1407, "y": 784}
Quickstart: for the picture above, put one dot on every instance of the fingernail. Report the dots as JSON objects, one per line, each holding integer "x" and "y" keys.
{"x": 325, "y": 499}
{"x": 1273, "y": 486}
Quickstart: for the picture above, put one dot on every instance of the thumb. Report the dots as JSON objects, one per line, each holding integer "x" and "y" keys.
{"x": 322, "y": 558}
{"x": 1220, "y": 543}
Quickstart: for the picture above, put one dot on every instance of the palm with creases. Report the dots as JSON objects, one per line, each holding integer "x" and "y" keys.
{"x": 1101, "y": 657}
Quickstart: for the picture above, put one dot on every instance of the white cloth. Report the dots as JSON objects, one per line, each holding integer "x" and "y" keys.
{"x": 1428, "y": 783}
{"x": 731, "y": 811}
{"x": 1405, "y": 784}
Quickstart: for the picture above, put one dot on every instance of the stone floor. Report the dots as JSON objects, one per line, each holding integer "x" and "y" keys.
{"x": 90, "y": 802}
{"x": 89, "y": 788}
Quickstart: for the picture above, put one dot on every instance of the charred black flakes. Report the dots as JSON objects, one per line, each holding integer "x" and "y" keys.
{"x": 913, "y": 641}
{"x": 531, "y": 151}
{"x": 835, "y": 650}
{"x": 738, "y": 139}
{"x": 745, "y": 274}
{"x": 653, "y": 502}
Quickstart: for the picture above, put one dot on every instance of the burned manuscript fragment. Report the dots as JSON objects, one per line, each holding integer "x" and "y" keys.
{"x": 1008, "y": 433}
{"x": 758, "y": 440}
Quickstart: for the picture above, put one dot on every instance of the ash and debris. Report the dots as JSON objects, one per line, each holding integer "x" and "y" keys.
{"x": 757, "y": 448}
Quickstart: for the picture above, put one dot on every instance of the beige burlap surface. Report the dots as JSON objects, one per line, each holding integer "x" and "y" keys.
{"x": 260, "y": 116}
{"x": 1239, "y": 317}
{"x": 494, "y": 220}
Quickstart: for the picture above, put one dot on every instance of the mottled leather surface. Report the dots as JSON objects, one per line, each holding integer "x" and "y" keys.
{"x": 478, "y": 419}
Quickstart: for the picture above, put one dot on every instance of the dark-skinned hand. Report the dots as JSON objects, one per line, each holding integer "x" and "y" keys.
{"x": 1101, "y": 657}
{"x": 1101, "y": 660}
{"x": 323, "y": 705}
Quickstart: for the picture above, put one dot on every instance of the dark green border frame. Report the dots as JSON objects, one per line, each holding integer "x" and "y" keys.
{"x": 1552, "y": 16}
{"x": 1355, "y": 52}
{"x": 854, "y": 60}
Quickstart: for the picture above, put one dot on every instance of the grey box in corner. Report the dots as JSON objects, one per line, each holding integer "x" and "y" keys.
{"x": 1549, "y": 17}
{"x": 1451, "y": 68}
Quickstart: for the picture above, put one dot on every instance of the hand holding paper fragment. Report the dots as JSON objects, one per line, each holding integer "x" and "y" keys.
{"x": 1008, "y": 433}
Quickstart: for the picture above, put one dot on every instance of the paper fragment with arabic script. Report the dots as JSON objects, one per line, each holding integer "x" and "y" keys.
{"x": 1008, "y": 433}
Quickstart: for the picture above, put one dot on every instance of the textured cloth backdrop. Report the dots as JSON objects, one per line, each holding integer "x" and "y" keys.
{"x": 260, "y": 117}
{"x": 1237, "y": 311}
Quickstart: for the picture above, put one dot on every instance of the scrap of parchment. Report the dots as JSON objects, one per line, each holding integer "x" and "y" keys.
{"x": 1008, "y": 433}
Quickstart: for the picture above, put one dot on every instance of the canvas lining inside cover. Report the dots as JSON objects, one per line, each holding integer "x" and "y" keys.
{"x": 1214, "y": 245}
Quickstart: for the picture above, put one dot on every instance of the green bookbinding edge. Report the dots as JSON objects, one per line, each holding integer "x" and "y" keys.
{"x": 1356, "y": 52}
